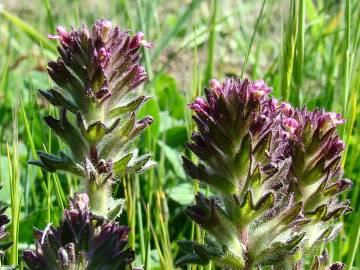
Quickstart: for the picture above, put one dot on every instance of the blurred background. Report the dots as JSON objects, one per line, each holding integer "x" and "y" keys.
{"x": 306, "y": 50}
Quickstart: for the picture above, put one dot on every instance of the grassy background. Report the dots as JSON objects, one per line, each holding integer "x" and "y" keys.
{"x": 306, "y": 50}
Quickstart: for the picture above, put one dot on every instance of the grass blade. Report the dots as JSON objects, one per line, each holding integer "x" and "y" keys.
{"x": 164, "y": 42}
{"x": 35, "y": 35}
{"x": 211, "y": 44}
{"x": 290, "y": 35}
{"x": 252, "y": 38}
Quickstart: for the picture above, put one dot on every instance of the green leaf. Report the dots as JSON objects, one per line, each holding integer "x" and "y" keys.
{"x": 151, "y": 108}
{"x": 173, "y": 157}
{"x": 120, "y": 165}
{"x": 175, "y": 136}
{"x": 169, "y": 97}
{"x": 95, "y": 132}
{"x": 130, "y": 106}
{"x": 37, "y": 219}
{"x": 29, "y": 30}
{"x": 182, "y": 193}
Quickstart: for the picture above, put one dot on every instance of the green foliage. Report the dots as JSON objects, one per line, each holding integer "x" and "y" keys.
{"x": 327, "y": 41}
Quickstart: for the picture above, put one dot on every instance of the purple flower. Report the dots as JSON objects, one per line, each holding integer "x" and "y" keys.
{"x": 276, "y": 175}
{"x": 81, "y": 242}
{"x": 103, "y": 28}
{"x": 138, "y": 40}
{"x": 290, "y": 125}
{"x": 63, "y": 35}
{"x": 258, "y": 89}
{"x": 96, "y": 73}
{"x": 286, "y": 109}
{"x": 328, "y": 120}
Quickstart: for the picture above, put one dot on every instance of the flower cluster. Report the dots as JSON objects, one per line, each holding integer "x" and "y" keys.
{"x": 95, "y": 74}
{"x": 83, "y": 241}
{"x": 275, "y": 173}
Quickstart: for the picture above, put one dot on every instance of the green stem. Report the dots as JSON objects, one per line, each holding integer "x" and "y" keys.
{"x": 98, "y": 197}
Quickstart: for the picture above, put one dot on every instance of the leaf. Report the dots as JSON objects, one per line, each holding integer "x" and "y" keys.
{"x": 173, "y": 157}
{"x": 182, "y": 193}
{"x": 120, "y": 165}
{"x": 95, "y": 132}
{"x": 175, "y": 136}
{"x": 29, "y": 30}
{"x": 151, "y": 108}
{"x": 130, "y": 106}
{"x": 36, "y": 219}
{"x": 169, "y": 97}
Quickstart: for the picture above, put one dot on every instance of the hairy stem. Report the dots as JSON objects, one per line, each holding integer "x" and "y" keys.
{"x": 98, "y": 197}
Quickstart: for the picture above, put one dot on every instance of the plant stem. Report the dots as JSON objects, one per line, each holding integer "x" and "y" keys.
{"x": 98, "y": 196}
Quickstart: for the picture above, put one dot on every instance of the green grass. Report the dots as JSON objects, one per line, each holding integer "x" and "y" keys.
{"x": 308, "y": 51}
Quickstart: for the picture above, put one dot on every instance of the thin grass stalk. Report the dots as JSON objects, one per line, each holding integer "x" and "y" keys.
{"x": 354, "y": 244}
{"x": 157, "y": 245}
{"x": 143, "y": 26}
{"x": 165, "y": 41}
{"x": 210, "y": 63}
{"x": 32, "y": 145}
{"x": 49, "y": 16}
{"x": 161, "y": 217}
{"x": 350, "y": 125}
{"x": 25, "y": 27}
{"x": 147, "y": 262}
{"x": 347, "y": 44}
{"x": 299, "y": 57}
{"x": 124, "y": 7}
{"x": 246, "y": 59}
{"x": 130, "y": 198}
{"x": 15, "y": 198}
{"x": 288, "y": 54}
{"x": 60, "y": 195}
{"x": 48, "y": 175}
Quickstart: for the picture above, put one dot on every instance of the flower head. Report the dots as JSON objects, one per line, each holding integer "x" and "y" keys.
{"x": 96, "y": 73}
{"x": 81, "y": 242}
{"x": 275, "y": 172}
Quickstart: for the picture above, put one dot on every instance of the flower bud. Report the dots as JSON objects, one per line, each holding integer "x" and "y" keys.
{"x": 329, "y": 120}
{"x": 63, "y": 35}
{"x": 286, "y": 109}
{"x": 103, "y": 28}
{"x": 138, "y": 40}
{"x": 258, "y": 89}
{"x": 290, "y": 125}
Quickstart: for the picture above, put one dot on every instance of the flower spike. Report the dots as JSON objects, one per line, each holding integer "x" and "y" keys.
{"x": 275, "y": 174}
{"x": 96, "y": 74}
{"x": 81, "y": 242}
